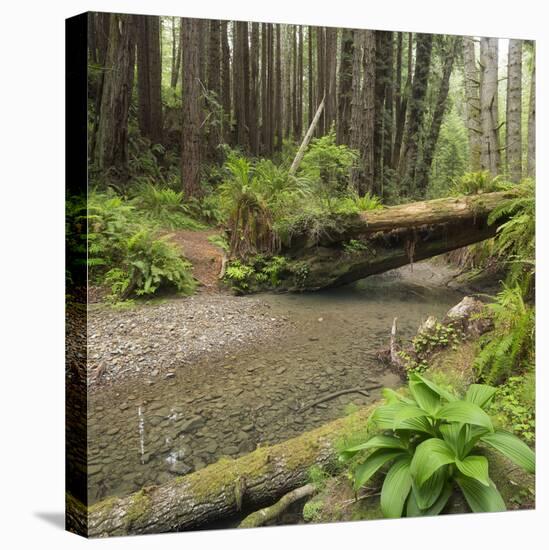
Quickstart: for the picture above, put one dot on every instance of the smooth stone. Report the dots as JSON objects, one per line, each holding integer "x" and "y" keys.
{"x": 246, "y": 447}
{"x": 180, "y": 468}
{"x": 192, "y": 424}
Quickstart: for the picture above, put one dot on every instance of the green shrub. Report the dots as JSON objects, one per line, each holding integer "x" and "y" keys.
{"x": 328, "y": 164}
{"x": 431, "y": 442}
{"x": 153, "y": 263}
{"x": 473, "y": 183}
{"x": 509, "y": 348}
{"x": 165, "y": 207}
{"x": 514, "y": 406}
{"x": 515, "y": 239}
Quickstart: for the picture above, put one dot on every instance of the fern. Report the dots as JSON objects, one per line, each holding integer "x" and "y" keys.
{"x": 509, "y": 347}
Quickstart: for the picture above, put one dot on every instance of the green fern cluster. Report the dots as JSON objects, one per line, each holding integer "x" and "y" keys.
{"x": 125, "y": 254}
{"x": 164, "y": 207}
{"x": 515, "y": 240}
{"x": 473, "y": 183}
{"x": 509, "y": 348}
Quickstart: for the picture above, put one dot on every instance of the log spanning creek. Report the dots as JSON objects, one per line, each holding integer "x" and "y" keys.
{"x": 142, "y": 433}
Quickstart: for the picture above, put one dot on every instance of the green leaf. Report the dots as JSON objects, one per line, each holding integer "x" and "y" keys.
{"x": 513, "y": 448}
{"x": 384, "y": 415}
{"x": 405, "y": 413}
{"x": 419, "y": 424}
{"x": 437, "y": 389}
{"x": 378, "y": 441}
{"x": 454, "y": 434}
{"x": 430, "y": 455}
{"x": 428, "y": 493}
{"x": 476, "y": 467}
{"x": 395, "y": 489}
{"x": 480, "y": 394}
{"x": 465, "y": 412}
{"x": 391, "y": 396}
{"x": 413, "y": 510}
{"x": 372, "y": 464}
{"x": 426, "y": 398}
{"x": 481, "y": 498}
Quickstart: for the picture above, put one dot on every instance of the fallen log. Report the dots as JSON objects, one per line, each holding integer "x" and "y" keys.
{"x": 363, "y": 391}
{"x": 270, "y": 513}
{"x": 223, "y": 489}
{"x": 373, "y": 242}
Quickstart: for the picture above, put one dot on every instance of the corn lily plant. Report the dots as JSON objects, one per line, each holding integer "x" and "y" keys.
{"x": 431, "y": 442}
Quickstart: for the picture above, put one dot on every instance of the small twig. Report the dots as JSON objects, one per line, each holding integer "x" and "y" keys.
{"x": 341, "y": 392}
{"x": 361, "y": 497}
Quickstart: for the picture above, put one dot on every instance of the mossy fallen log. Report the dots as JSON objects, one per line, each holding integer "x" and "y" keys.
{"x": 224, "y": 489}
{"x": 354, "y": 247}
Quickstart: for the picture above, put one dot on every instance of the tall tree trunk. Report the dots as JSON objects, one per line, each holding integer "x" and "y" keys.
{"x": 472, "y": 102}
{"x": 489, "y": 120}
{"x": 310, "y": 82}
{"x": 264, "y": 88}
{"x": 270, "y": 89}
{"x": 423, "y": 170}
{"x": 331, "y": 77}
{"x": 299, "y": 112}
{"x": 214, "y": 59}
{"x": 254, "y": 91}
{"x": 213, "y": 65}
{"x": 531, "y": 164}
{"x": 278, "y": 93}
{"x": 320, "y": 76}
{"x": 149, "y": 77}
{"x": 345, "y": 87}
{"x": 369, "y": 114}
{"x": 226, "y": 81}
{"x": 388, "y": 115}
{"x": 424, "y": 44}
{"x": 381, "y": 84}
{"x": 176, "y": 54}
{"x": 513, "y": 127}
{"x": 356, "y": 127}
{"x": 293, "y": 109}
{"x": 112, "y": 133}
{"x": 403, "y": 107}
{"x": 192, "y": 108}
{"x": 240, "y": 83}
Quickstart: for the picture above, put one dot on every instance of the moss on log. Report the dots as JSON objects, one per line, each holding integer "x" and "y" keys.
{"x": 225, "y": 488}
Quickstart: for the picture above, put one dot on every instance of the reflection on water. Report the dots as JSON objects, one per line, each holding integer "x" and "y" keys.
{"x": 142, "y": 434}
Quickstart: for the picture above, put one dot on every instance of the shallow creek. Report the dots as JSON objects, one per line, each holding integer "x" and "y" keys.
{"x": 141, "y": 434}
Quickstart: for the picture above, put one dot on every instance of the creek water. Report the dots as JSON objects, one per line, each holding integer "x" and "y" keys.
{"x": 140, "y": 434}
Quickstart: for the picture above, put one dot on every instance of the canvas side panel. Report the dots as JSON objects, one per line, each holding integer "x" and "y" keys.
{"x": 76, "y": 33}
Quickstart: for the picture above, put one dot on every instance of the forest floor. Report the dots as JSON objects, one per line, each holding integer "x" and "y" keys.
{"x": 206, "y": 258}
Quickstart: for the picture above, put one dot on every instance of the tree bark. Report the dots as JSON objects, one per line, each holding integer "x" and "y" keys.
{"x": 226, "y": 81}
{"x": 331, "y": 78}
{"x": 490, "y": 150}
{"x": 254, "y": 91}
{"x": 356, "y": 127}
{"x": 531, "y": 164}
{"x": 226, "y": 488}
{"x": 299, "y": 111}
{"x": 429, "y": 146}
{"x": 240, "y": 83}
{"x": 111, "y": 150}
{"x": 278, "y": 92}
{"x": 310, "y": 76}
{"x": 149, "y": 77}
{"x": 400, "y": 119}
{"x": 472, "y": 102}
{"x": 345, "y": 88}
{"x": 176, "y": 54}
{"x": 368, "y": 104}
{"x": 388, "y": 114}
{"x": 513, "y": 125}
{"x": 320, "y": 75}
{"x": 192, "y": 109}
{"x": 417, "y": 109}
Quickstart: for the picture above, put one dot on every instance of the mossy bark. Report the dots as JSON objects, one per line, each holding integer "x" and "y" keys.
{"x": 226, "y": 488}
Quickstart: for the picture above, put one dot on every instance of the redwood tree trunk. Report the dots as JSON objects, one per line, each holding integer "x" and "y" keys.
{"x": 345, "y": 87}
{"x": 417, "y": 108}
{"x": 226, "y": 81}
{"x": 531, "y": 166}
{"x": 400, "y": 120}
{"x": 149, "y": 77}
{"x": 192, "y": 109}
{"x": 490, "y": 150}
{"x": 472, "y": 102}
{"x": 429, "y": 146}
{"x": 513, "y": 126}
{"x": 254, "y": 91}
{"x": 111, "y": 149}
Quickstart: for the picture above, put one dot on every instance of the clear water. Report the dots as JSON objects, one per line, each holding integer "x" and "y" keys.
{"x": 142, "y": 435}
